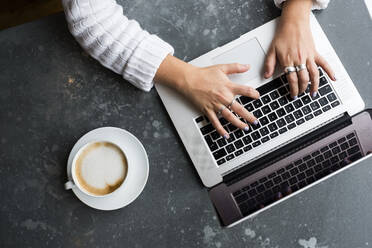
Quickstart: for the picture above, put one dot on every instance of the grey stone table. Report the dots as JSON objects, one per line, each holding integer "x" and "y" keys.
{"x": 51, "y": 93}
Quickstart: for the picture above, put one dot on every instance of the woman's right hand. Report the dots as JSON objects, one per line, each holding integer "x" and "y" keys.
{"x": 210, "y": 90}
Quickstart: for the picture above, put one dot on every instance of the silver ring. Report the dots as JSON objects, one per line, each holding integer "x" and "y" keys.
{"x": 232, "y": 102}
{"x": 219, "y": 112}
{"x": 301, "y": 67}
{"x": 289, "y": 69}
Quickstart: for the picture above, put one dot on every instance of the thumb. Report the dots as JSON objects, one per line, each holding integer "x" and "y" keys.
{"x": 234, "y": 68}
{"x": 270, "y": 62}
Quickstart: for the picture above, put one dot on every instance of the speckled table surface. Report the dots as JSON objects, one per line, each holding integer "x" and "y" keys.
{"x": 51, "y": 93}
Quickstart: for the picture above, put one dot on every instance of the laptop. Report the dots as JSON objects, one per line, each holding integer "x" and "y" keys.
{"x": 297, "y": 143}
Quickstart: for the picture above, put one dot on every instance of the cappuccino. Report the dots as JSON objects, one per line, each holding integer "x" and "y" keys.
{"x": 101, "y": 168}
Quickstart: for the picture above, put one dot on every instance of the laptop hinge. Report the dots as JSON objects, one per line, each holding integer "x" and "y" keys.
{"x": 285, "y": 151}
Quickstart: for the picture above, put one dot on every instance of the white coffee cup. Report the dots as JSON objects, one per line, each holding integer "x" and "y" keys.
{"x": 74, "y": 182}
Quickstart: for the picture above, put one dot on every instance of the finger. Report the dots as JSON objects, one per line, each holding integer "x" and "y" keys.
{"x": 303, "y": 80}
{"x": 217, "y": 125}
{"x": 319, "y": 60}
{"x": 293, "y": 84}
{"x": 314, "y": 77}
{"x": 245, "y": 91}
{"x": 270, "y": 62}
{"x": 241, "y": 111}
{"x": 229, "y": 116}
{"x": 234, "y": 68}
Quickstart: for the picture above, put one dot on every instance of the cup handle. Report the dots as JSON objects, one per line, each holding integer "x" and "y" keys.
{"x": 69, "y": 185}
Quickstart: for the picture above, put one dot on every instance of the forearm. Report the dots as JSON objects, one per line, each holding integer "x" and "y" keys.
{"x": 296, "y": 11}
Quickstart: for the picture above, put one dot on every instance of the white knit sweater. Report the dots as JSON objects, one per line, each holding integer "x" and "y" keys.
{"x": 121, "y": 44}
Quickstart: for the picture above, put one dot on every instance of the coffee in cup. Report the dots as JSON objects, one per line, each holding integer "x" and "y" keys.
{"x": 100, "y": 168}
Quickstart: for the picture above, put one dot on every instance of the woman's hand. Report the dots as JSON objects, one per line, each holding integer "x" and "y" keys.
{"x": 293, "y": 45}
{"x": 210, "y": 90}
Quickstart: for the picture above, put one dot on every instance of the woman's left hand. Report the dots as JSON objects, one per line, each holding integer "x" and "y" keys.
{"x": 293, "y": 45}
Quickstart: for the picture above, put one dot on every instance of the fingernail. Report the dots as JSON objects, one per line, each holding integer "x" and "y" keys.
{"x": 315, "y": 94}
{"x": 255, "y": 122}
{"x": 246, "y": 129}
{"x": 295, "y": 97}
{"x": 226, "y": 136}
{"x": 334, "y": 78}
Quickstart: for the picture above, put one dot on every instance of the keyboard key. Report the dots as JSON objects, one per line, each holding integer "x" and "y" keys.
{"x": 286, "y": 175}
{"x": 221, "y": 161}
{"x": 309, "y": 117}
{"x": 280, "y": 112}
{"x": 306, "y": 110}
{"x": 264, "y": 131}
{"x": 333, "y": 144}
{"x": 238, "y": 134}
{"x": 252, "y": 192}
{"x": 264, "y": 121}
{"x": 266, "y": 99}
{"x": 297, "y": 104}
{"x": 208, "y": 139}
{"x": 274, "y": 95}
{"x": 350, "y": 135}
{"x": 213, "y": 146}
{"x": 307, "y": 158}
{"x": 266, "y": 109}
{"x": 260, "y": 188}
{"x": 256, "y": 143}
{"x": 257, "y": 103}
{"x": 283, "y": 100}
{"x": 353, "y": 150}
{"x": 294, "y": 171}
{"x": 273, "y": 117}
{"x": 238, "y": 153}
{"x": 244, "y": 99}
{"x": 277, "y": 180}
{"x": 309, "y": 172}
{"x": 291, "y": 126}
{"x": 247, "y": 148}
{"x": 199, "y": 119}
{"x": 269, "y": 184}
{"x": 281, "y": 122}
{"x": 335, "y": 104}
{"x": 292, "y": 180}
{"x": 257, "y": 113}
{"x": 319, "y": 158}
{"x": 302, "y": 167}
{"x": 247, "y": 140}
{"x": 289, "y": 118}
{"x": 221, "y": 142}
{"x": 274, "y": 134}
{"x": 318, "y": 112}
{"x": 325, "y": 90}
{"x": 283, "y": 130}
{"x": 219, "y": 154}
{"x": 274, "y": 105}
{"x": 273, "y": 127}
{"x": 314, "y": 105}
{"x": 241, "y": 198}
{"x": 331, "y": 97}
{"x": 231, "y": 127}
{"x": 238, "y": 144}
{"x": 288, "y": 167}
{"x": 297, "y": 114}
{"x": 300, "y": 121}
{"x": 306, "y": 99}
{"x": 316, "y": 153}
{"x": 265, "y": 139}
{"x": 231, "y": 139}
{"x": 229, "y": 157}
{"x": 215, "y": 135}
{"x": 344, "y": 146}
{"x": 249, "y": 107}
{"x": 207, "y": 129}
{"x": 230, "y": 148}
{"x": 289, "y": 108}
{"x": 323, "y": 101}
{"x": 255, "y": 135}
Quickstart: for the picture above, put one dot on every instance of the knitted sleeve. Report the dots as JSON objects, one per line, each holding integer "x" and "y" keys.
{"x": 116, "y": 42}
{"x": 317, "y": 4}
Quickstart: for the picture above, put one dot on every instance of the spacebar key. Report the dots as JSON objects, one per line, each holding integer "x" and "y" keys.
{"x": 219, "y": 154}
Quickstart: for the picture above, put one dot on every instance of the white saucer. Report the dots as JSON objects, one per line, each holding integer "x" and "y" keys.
{"x": 138, "y": 168}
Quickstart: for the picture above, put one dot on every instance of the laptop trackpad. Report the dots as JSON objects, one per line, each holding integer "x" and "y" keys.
{"x": 249, "y": 52}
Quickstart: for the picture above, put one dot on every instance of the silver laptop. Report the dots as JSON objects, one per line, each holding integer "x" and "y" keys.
{"x": 255, "y": 169}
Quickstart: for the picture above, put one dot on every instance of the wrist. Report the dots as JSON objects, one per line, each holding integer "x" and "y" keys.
{"x": 296, "y": 11}
{"x": 174, "y": 72}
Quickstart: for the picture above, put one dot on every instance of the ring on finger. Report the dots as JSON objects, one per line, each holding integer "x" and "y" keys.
{"x": 232, "y": 102}
{"x": 301, "y": 67}
{"x": 289, "y": 69}
{"x": 219, "y": 112}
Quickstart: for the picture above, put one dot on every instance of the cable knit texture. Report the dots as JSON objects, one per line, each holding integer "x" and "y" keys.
{"x": 116, "y": 42}
{"x": 121, "y": 44}
{"x": 317, "y": 4}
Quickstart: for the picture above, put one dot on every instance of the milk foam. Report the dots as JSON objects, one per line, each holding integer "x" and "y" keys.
{"x": 101, "y": 168}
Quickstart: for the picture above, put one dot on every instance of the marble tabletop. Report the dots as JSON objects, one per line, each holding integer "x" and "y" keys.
{"x": 51, "y": 93}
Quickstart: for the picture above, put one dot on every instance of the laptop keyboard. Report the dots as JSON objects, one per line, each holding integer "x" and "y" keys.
{"x": 298, "y": 174}
{"x": 277, "y": 113}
